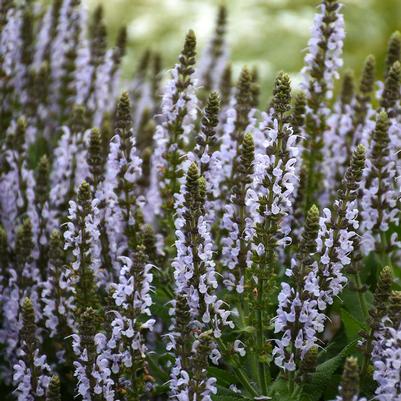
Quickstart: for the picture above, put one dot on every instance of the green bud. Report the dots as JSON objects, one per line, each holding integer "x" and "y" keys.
{"x": 298, "y": 112}
{"x": 211, "y": 115}
{"x": 67, "y": 88}
{"x": 87, "y": 331}
{"x": 391, "y": 91}
{"x": 255, "y": 87}
{"x": 192, "y": 181}
{"x": 77, "y": 121}
{"x": 4, "y": 254}
{"x": 85, "y": 197}
{"x": 143, "y": 63}
{"x": 188, "y": 52}
{"x": 393, "y": 51}
{"x": 146, "y": 130}
{"x": 121, "y": 46}
{"x": 358, "y": 162}
{"x": 350, "y": 380}
{"x": 381, "y": 140}
{"x": 348, "y": 88}
{"x": 23, "y": 244}
{"x": 311, "y": 230}
{"x": 366, "y": 85}
{"x": 27, "y": 37}
{"x": 156, "y": 74}
{"x": 247, "y": 155}
{"x": 149, "y": 241}
{"x": 381, "y": 295}
{"x": 394, "y": 311}
{"x": 56, "y": 249}
{"x": 244, "y": 101}
{"x": 281, "y": 102}
{"x": 53, "y": 392}
{"x": 183, "y": 318}
{"x": 216, "y": 49}
{"x": 19, "y": 137}
{"x": 42, "y": 79}
{"x": 28, "y": 330}
{"x": 354, "y": 172}
{"x": 202, "y": 191}
{"x": 95, "y": 159}
{"x": 209, "y": 123}
{"x": 123, "y": 119}
{"x": 221, "y": 19}
{"x": 42, "y": 181}
{"x": 226, "y": 85}
{"x": 98, "y": 36}
{"x": 106, "y": 132}
{"x": 309, "y": 362}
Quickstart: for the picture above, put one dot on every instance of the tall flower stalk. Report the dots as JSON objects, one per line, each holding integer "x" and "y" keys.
{"x": 82, "y": 239}
{"x": 31, "y": 372}
{"x": 270, "y": 201}
{"x": 198, "y": 315}
{"x": 173, "y": 135}
{"x": 123, "y": 217}
{"x": 321, "y": 64}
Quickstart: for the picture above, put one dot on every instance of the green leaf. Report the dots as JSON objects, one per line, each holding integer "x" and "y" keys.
{"x": 223, "y": 377}
{"x": 351, "y": 303}
{"x": 223, "y": 394}
{"x": 279, "y": 390}
{"x": 352, "y": 325}
{"x": 36, "y": 150}
{"x": 324, "y": 374}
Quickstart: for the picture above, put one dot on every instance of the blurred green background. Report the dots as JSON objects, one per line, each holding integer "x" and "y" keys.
{"x": 269, "y": 34}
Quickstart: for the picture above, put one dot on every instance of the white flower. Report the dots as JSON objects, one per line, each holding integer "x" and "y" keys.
{"x": 239, "y": 347}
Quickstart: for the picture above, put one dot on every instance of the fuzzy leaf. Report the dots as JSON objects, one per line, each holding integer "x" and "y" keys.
{"x": 324, "y": 374}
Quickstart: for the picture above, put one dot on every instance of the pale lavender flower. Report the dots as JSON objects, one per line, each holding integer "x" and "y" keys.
{"x": 132, "y": 296}
{"x": 196, "y": 288}
{"x": 335, "y": 151}
{"x": 380, "y": 187}
{"x": 334, "y": 247}
{"x": 58, "y": 49}
{"x": 22, "y": 378}
{"x": 281, "y": 175}
{"x": 215, "y": 56}
{"x": 81, "y": 369}
{"x": 43, "y": 37}
{"x": 10, "y": 41}
{"x": 175, "y": 103}
{"x": 296, "y": 308}
{"x": 102, "y": 95}
{"x": 386, "y": 358}
{"x": 332, "y": 56}
{"x": 74, "y": 239}
{"x": 204, "y": 291}
{"x": 123, "y": 156}
{"x": 70, "y": 167}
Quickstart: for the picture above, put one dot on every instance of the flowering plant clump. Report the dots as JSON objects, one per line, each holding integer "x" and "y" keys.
{"x": 180, "y": 241}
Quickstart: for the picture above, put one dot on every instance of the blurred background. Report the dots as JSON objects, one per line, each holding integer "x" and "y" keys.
{"x": 268, "y": 34}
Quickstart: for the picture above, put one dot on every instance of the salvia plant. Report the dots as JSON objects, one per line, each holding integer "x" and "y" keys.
{"x": 177, "y": 240}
